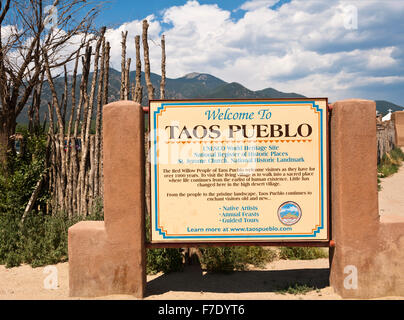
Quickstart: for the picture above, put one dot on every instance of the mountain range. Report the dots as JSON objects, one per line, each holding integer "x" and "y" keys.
{"x": 384, "y": 106}
{"x": 191, "y": 86}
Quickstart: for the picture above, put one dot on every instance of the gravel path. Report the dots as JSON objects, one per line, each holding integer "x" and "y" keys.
{"x": 391, "y": 197}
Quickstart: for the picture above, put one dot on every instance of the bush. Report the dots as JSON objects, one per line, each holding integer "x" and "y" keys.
{"x": 302, "y": 253}
{"x": 42, "y": 238}
{"x": 161, "y": 260}
{"x": 228, "y": 259}
{"x": 298, "y": 288}
{"x": 165, "y": 260}
{"x": 390, "y": 162}
{"x": 16, "y": 187}
{"x": 397, "y": 154}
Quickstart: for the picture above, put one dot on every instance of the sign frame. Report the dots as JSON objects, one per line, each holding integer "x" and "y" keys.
{"x": 245, "y": 242}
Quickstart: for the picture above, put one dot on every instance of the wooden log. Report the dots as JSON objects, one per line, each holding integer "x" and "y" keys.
{"x": 150, "y": 88}
{"x": 138, "y": 85}
{"x": 34, "y": 196}
{"x": 163, "y": 68}
{"x": 124, "y": 34}
{"x": 85, "y": 145}
{"x": 105, "y": 100}
{"x": 97, "y": 138}
{"x": 70, "y": 145}
{"x": 127, "y": 80}
{"x": 150, "y": 93}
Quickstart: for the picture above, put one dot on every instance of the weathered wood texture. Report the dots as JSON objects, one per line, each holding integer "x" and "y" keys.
{"x": 386, "y": 137}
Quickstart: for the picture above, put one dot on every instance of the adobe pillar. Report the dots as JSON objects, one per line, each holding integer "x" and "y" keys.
{"x": 368, "y": 259}
{"x": 108, "y": 257}
{"x": 398, "y": 118}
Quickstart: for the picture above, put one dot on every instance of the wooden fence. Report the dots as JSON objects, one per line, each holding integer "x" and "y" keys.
{"x": 386, "y": 139}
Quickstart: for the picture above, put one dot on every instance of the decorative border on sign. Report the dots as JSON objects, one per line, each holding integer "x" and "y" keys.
{"x": 314, "y": 231}
{"x": 237, "y": 141}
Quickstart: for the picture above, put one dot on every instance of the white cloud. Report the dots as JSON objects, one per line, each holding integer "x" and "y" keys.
{"x": 114, "y": 36}
{"x": 381, "y": 58}
{"x": 342, "y": 85}
{"x": 303, "y": 46}
{"x": 8, "y": 31}
{"x": 257, "y": 4}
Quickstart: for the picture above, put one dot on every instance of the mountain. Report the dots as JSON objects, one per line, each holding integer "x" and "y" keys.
{"x": 191, "y": 86}
{"x": 383, "y": 107}
{"x": 236, "y": 90}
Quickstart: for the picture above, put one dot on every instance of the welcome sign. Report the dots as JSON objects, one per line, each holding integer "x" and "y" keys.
{"x": 239, "y": 170}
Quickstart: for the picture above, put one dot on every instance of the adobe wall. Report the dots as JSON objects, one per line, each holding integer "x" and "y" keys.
{"x": 373, "y": 246}
{"x": 398, "y": 118}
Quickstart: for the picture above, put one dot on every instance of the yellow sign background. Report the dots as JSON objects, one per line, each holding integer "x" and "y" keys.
{"x": 196, "y": 196}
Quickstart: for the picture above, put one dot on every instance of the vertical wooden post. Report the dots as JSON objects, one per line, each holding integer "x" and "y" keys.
{"x": 123, "y": 65}
{"x": 163, "y": 68}
{"x": 150, "y": 88}
{"x": 138, "y": 86}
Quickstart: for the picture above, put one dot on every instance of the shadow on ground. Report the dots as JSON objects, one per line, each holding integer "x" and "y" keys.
{"x": 192, "y": 279}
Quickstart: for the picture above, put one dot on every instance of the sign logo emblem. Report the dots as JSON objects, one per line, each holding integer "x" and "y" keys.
{"x": 289, "y": 213}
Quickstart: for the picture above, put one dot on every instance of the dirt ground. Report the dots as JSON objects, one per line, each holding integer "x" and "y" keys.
{"x": 391, "y": 196}
{"x": 192, "y": 283}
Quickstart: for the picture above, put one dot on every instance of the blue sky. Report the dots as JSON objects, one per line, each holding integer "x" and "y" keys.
{"x": 338, "y": 48}
{"x": 120, "y": 11}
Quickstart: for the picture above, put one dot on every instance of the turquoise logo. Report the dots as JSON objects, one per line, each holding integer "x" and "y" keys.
{"x": 289, "y": 213}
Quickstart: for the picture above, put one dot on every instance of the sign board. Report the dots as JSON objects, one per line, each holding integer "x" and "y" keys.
{"x": 239, "y": 170}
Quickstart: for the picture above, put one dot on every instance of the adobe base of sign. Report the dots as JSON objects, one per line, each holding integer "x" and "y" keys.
{"x": 109, "y": 257}
{"x": 368, "y": 259}
{"x": 99, "y": 267}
